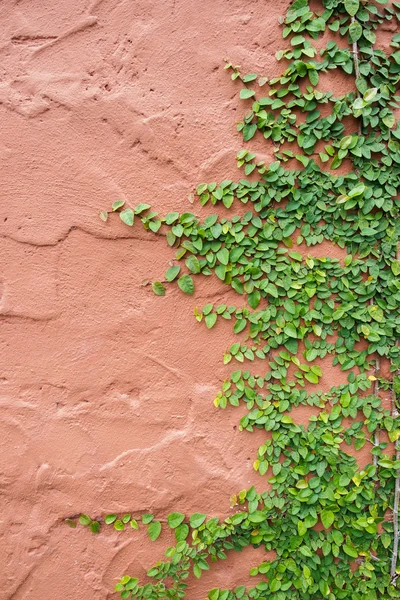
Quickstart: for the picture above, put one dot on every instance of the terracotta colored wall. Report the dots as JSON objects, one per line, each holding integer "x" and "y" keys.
{"x": 106, "y": 389}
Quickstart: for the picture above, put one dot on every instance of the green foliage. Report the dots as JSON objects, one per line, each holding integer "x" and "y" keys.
{"x": 325, "y": 518}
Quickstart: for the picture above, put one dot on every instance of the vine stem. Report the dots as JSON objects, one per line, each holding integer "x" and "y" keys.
{"x": 356, "y": 61}
{"x": 395, "y": 414}
{"x": 355, "y": 55}
{"x": 376, "y": 393}
{"x": 395, "y": 554}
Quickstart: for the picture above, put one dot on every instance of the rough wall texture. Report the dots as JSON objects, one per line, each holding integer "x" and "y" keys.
{"x": 106, "y": 389}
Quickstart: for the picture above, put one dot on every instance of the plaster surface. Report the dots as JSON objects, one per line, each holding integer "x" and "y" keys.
{"x": 105, "y": 389}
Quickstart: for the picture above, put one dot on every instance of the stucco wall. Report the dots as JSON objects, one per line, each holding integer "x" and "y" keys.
{"x": 105, "y": 389}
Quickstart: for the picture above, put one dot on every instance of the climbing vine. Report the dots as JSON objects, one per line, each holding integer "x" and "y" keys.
{"x": 332, "y": 525}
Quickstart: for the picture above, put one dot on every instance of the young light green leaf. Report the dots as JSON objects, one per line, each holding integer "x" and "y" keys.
{"x": 127, "y": 216}
{"x": 370, "y": 95}
{"x": 327, "y": 518}
{"x": 117, "y": 204}
{"x": 245, "y": 93}
{"x": 350, "y": 550}
{"x": 141, "y": 208}
{"x": 109, "y": 519}
{"x": 158, "y": 288}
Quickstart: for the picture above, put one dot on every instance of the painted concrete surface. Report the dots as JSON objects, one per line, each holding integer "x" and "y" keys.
{"x": 105, "y": 389}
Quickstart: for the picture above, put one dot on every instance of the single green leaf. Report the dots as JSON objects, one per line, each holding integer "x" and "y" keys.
{"x": 175, "y": 519}
{"x": 109, "y": 519}
{"x": 311, "y": 377}
{"x": 290, "y": 330}
{"x": 327, "y": 518}
{"x": 172, "y": 273}
{"x": 370, "y": 95}
{"x": 350, "y": 550}
{"x": 254, "y": 299}
{"x": 117, "y": 204}
{"x": 223, "y": 256}
{"x": 246, "y": 93}
{"x": 186, "y": 284}
{"x": 95, "y": 527}
{"x": 181, "y": 532}
{"x": 355, "y": 31}
{"x": 196, "y": 520}
{"x": 127, "y": 216}
{"x": 71, "y": 523}
{"x": 154, "y": 530}
{"x": 352, "y": 6}
{"x": 193, "y": 264}
{"x": 158, "y": 288}
{"x": 395, "y": 266}
{"x": 141, "y": 208}
{"x": 301, "y": 528}
{"x": 147, "y": 518}
{"x": 210, "y": 320}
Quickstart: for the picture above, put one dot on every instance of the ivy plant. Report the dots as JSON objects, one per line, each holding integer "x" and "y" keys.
{"x": 332, "y": 526}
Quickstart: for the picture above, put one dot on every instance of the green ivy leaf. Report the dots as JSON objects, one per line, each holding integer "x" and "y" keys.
{"x": 245, "y": 93}
{"x": 172, "y": 273}
{"x": 71, "y": 523}
{"x": 210, "y": 320}
{"x": 95, "y": 527}
{"x": 109, "y": 519}
{"x": 193, "y": 264}
{"x": 290, "y": 330}
{"x": 301, "y": 528}
{"x": 196, "y": 520}
{"x": 181, "y": 532}
{"x": 127, "y": 216}
{"x": 350, "y": 550}
{"x": 175, "y": 519}
{"x": 355, "y": 31}
{"x": 327, "y": 518}
{"x": 352, "y": 6}
{"x": 141, "y": 208}
{"x": 147, "y": 518}
{"x": 376, "y": 313}
{"x": 186, "y": 284}
{"x": 117, "y": 204}
{"x": 154, "y": 530}
{"x": 158, "y": 288}
{"x": 395, "y": 266}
